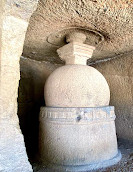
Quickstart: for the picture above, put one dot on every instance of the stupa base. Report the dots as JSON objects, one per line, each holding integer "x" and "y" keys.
{"x": 87, "y": 168}
{"x": 78, "y": 139}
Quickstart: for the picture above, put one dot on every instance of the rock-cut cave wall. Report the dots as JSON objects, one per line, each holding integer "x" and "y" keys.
{"x": 30, "y": 99}
{"x": 119, "y": 75}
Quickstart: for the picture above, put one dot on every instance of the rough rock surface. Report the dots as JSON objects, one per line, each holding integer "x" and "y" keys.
{"x": 13, "y": 27}
{"x": 113, "y": 19}
{"x": 12, "y": 148}
{"x": 13, "y": 157}
{"x": 119, "y": 75}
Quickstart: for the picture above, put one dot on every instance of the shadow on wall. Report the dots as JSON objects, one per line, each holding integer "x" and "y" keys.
{"x": 28, "y": 110}
{"x": 30, "y": 99}
{"x": 119, "y": 75}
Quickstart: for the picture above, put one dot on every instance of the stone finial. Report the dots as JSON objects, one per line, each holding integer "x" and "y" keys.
{"x": 75, "y": 52}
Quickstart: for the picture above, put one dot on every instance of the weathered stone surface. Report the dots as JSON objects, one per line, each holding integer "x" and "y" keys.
{"x": 13, "y": 155}
{"x": 77, "y": 139}
{"x": 21, "y": 9}
{"x": 119, "y": 75}
{"x": 75, "y": 53}
{"x": 113, "y": 19}
{"x": 76, "y": 86}
{"x": 11, "y": 143}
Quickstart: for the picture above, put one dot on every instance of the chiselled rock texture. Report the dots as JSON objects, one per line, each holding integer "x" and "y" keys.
{"x": 13, "y": 26}
{"x": 13, "y": 156}
{"x": 113, "y": 19}
{"x": 119, "y": 75}
{"x": 12, "y": 149}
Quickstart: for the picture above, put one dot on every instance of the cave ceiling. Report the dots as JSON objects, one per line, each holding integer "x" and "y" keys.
{"x": 113, "y": 19}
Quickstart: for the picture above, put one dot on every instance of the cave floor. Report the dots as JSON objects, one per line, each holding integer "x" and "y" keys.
{"x": 125, "y": 165}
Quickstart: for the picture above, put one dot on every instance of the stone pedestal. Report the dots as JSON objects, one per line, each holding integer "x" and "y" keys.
{"x": 78, "y": 139}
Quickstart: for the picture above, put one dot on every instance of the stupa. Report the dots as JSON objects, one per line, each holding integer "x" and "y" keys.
{"x": 77, "y": 129}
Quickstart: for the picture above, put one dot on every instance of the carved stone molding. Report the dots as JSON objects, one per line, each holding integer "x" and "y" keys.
{"x": 82, "y": 115}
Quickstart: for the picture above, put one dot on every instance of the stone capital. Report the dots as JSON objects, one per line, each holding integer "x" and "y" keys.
{"x": 75, "y": 53}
